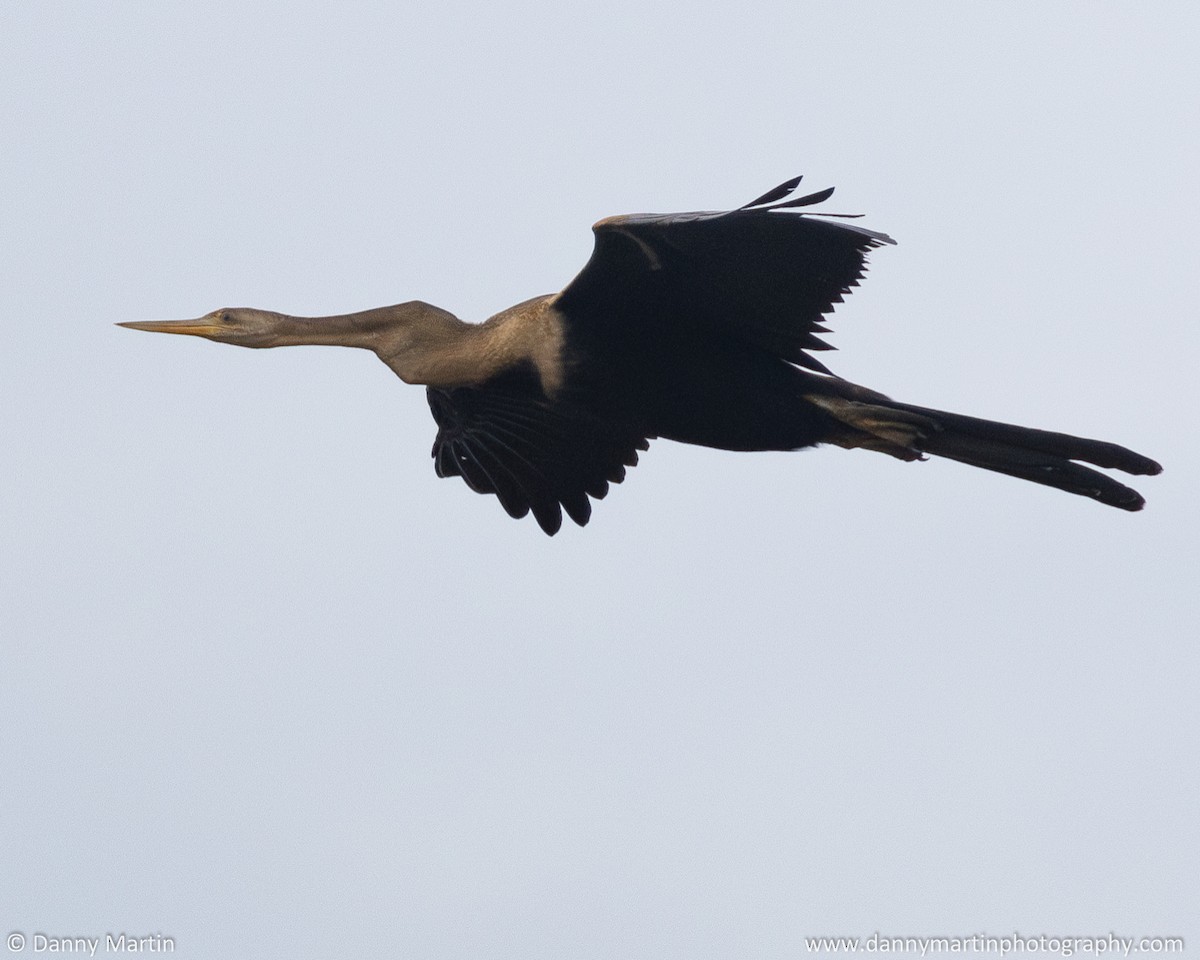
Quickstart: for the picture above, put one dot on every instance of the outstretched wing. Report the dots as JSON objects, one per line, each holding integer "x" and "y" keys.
{"x": 504, "y": 438}
{"x": 766, "y": 273}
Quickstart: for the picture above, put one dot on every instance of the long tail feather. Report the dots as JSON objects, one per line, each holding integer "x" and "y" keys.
{"x": 1111, "y": 456}
{"x": 1041, "y": 456}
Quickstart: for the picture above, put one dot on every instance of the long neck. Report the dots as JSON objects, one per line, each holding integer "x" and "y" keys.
{"x": 378, "y": 329}
{"x": 427, "y": 345}
{"x": 431, "y": 346}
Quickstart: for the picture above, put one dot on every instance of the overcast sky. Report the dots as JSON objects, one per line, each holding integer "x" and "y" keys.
{"x": 272, "y": 689}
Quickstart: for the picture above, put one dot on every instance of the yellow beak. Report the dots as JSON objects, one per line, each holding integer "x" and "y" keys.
{"x": 204, "y": 327}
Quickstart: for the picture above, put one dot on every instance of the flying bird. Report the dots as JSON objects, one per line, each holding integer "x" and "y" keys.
{"x": 696, "y": 327}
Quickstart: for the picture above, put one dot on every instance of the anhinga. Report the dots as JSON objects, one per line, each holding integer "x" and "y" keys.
{"x": 695, "y": 327}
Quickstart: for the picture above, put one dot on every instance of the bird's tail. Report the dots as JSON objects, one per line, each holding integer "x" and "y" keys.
{"x": 909, "y": 432}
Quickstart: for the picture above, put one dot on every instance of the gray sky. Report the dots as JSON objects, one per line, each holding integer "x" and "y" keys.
{"x": 271, "y": 688}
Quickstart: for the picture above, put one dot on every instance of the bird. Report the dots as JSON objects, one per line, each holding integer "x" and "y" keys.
{"x": 698, "y": 327}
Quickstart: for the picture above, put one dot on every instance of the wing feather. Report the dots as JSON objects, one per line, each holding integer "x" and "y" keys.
{"x": 765, "y": 273}
{"x": 506, "y": 439}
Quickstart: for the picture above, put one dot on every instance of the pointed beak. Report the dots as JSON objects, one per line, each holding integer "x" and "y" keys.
{"x": 204, "y": 327}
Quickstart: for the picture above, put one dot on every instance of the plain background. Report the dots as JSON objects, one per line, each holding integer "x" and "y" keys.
{"x": 272, "y": 689}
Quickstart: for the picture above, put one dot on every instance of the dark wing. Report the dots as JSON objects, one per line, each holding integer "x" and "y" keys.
{"x": 765, "y": 273}
{"x": 504, "y": 438}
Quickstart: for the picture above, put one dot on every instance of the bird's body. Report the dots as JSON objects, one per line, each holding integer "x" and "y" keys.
{"x": 694, "y": 327}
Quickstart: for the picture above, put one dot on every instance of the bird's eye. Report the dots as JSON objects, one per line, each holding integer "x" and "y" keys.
{"x": 226, "y": 317}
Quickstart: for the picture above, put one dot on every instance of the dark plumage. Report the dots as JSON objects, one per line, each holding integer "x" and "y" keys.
{"x": 696, "y": 327}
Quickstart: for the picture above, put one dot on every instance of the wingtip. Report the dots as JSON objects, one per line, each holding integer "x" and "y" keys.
{"x": 775, "y": 193}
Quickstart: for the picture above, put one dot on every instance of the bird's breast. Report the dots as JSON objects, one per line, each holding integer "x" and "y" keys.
{"x": 532, "y": 335}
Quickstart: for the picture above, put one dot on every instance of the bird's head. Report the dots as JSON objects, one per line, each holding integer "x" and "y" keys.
{"x": 243, "y": 326}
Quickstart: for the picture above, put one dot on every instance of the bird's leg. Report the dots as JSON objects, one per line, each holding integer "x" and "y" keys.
{"x": 874, "y": 427}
